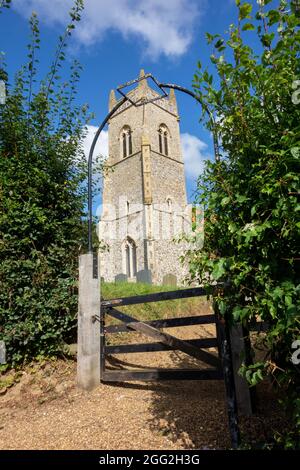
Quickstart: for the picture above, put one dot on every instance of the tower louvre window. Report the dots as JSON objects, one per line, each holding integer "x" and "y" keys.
{"x": 126, "y": 141}
{"x": 163, "y": 139}
{"x": 130, "y": 142}
{"x": 160, "y": 141}
{"x": 124, "y": 145}
{"x": 166, "y": 142}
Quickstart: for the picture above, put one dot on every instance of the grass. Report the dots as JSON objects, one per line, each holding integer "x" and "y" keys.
{"x": 155, "y": 310}
{"x": 8, "y": 379}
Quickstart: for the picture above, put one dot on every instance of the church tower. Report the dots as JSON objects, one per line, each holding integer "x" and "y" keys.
{"x": 144, "y": 193}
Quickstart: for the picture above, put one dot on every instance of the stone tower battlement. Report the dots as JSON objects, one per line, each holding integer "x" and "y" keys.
{"x": 144, "y": 193}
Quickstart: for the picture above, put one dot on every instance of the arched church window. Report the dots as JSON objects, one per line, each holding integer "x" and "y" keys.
{"x": 130, "y": 142}
{"x": 124, "y": 144}
{"x": 126, "y": 141}
{"x": 160, "y": 141}
{"x": 130, "y": 257}
{"x": 163, "y": 139}
{"x": 166, "y": 142}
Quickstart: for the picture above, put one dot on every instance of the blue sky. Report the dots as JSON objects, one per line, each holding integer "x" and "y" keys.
{"x": 115, "y": 39}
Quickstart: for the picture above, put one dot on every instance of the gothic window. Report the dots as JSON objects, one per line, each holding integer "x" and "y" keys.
{"x": 126, "y": 141}
{"x": 163, "y": 139}
{"x": 166, "y": 142}
{"x": 160, "y": 138}
{"x": 129, "y": 142}
{"x": 130, "y": 257}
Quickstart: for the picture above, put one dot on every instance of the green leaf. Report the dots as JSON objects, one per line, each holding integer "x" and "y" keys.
{"x": 225, "y": 201}
{"x": 295, "y": 151}
{"x": 273, "y": 16}
{"x": 240, "y": 198}
{"x": 240, "y": 313}
{"x": 248, "y": 27}
{"x": 232, "y": 227}
{"x": 253, "y": 210}
{"x": 219, "y": 43}
{"x": 219, "y": 269}
{"x": 267, "y": 39}
{"x": 209, "y": 38}
{"x": 245, "y": 11}
{"x": 222, "y": 307}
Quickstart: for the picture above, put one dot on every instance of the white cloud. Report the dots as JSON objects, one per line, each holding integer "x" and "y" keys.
{"x": 194, "y": 153}
{"x": 101, "y": 145}
{"x": 165, "y": 27}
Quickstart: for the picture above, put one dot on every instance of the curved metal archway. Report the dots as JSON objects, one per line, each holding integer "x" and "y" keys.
{"x": 125, "y": 98}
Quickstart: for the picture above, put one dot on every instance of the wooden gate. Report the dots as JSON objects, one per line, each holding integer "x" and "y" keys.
{"x": 220, "y": 365}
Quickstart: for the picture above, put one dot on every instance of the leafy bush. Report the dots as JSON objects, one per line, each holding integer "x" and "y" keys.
{"x": 251, "y": 194}
{"x": 42, "y": 196}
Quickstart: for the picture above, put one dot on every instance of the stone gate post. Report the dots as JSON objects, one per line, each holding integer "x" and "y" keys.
{"x": 88, "y": 350}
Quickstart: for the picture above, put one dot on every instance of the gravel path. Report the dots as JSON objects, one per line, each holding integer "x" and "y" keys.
{"x": 45, "y": 410}
{"x": 50, "y": 413}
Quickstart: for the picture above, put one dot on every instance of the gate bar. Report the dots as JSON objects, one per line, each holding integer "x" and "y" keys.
{"x": 161, "y": 374}
{"x": 158, "y": 296}
{"x": 165, "y": 323}
{"x": 151, "y": 347}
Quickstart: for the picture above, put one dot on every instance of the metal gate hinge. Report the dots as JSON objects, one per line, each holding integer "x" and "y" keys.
{"x": 95, "y": 318}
